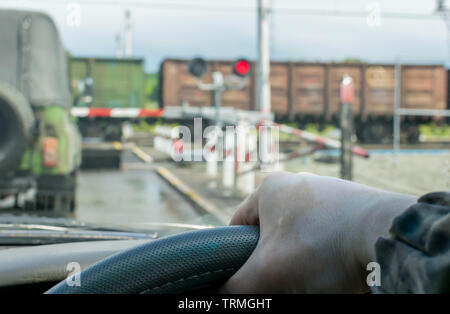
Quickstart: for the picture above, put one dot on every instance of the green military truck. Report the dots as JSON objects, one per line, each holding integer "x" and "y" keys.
{"x": 106, "y": 83}
{"x": 40, "y": 146}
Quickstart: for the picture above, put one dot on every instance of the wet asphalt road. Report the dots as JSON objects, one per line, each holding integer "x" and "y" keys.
{"x": 132, "y": 197}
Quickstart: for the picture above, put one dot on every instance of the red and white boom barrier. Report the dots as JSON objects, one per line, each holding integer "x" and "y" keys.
{"x": 167, "y": 140}
{"x": 320, "y": 140}
{"x": 246, "y": 158}
{"x": 211, "y": 154}
{"x": 85, "y": 112}
{"x": 240, "y": 158}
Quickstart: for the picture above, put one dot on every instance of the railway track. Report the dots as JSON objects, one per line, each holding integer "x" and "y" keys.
{"x": 418, "y": 146}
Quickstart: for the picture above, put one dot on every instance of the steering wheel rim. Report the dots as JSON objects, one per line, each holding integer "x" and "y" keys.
{"x": 180, "y": 263}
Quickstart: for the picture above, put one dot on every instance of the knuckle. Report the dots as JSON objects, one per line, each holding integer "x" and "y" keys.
{"x": 273, "y": 177}
{"x": 269, "y": 269}
{"x": 306, "y": 176}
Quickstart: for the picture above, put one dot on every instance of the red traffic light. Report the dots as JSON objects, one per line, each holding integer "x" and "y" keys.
{"x": 242, "y": 67}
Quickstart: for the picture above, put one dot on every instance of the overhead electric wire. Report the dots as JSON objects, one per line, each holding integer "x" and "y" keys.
{"x": 220, "y": 8}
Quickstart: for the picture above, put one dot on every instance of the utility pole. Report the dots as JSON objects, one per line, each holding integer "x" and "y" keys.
{"x": 128, "y": 35}
{"x": 444, "y": 12}
{"x": 263, "y": 69}
{"x": 119, "y": 51}
{"x": 217, "y": 95}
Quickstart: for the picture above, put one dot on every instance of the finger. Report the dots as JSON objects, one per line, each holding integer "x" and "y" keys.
{"x": 247, "y": 213}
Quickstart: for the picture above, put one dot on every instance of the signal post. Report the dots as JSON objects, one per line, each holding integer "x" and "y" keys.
{"x": 347, "y": 95}
{"x": 198, "y": 67}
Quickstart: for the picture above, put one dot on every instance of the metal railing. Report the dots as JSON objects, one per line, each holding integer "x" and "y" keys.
{"x": 398, "y": 112}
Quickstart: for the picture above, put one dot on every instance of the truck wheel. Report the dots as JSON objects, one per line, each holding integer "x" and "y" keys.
{"x": 57, "y": 194}
{"x": 60, "y": 204}
{"x": 16, "y": 126}
{"x": 64, "y": 204}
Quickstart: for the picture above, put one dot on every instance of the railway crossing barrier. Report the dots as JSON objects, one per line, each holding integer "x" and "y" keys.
{"x": 246, "y": 158}
{"x": 167, "y": 140}
{"x": 211, "y": 154}
{"x": 240, "y": 158}
{"x": 228, "y": 167}
{"x": 241, "y": 147}
{"x": 316, "y": 139}
{"x": 268, "y": 149}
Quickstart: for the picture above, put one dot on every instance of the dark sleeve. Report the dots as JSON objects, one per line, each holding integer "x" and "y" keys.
{"x": 416, "y": 259}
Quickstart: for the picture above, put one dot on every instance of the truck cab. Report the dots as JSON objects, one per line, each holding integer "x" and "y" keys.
{"x": 40, "y": 145}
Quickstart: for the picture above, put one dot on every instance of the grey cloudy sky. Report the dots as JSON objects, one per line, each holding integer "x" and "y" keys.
{"x": 227, "y": 29}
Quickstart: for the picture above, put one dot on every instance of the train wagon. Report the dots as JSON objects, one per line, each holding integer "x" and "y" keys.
{"x": 309, "y": 92}
{"x": 177, "y": 86}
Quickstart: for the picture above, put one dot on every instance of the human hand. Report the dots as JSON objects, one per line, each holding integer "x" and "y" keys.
{"x": 317, "y": 234}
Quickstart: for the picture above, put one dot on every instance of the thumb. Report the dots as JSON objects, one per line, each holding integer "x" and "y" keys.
{"x": 247, "y": 212}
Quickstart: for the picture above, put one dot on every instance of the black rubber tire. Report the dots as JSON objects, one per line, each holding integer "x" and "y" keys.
{"x": 57, "y": 193}
{"x": 184, "y": 262}
{"x": 16, "y": 127}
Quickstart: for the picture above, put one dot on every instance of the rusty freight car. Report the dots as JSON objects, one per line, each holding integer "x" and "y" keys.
{"x": 309, "y": 92}
{"x": 177, "y": 86}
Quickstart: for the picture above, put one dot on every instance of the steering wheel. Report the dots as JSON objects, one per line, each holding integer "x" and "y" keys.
{"x": 184, "y": 262}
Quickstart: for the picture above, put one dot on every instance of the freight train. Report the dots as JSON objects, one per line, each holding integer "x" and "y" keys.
{"x": 309, "y": 92}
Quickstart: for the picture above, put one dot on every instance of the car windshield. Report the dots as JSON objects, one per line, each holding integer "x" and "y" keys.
{"x": 147, "y": 118}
